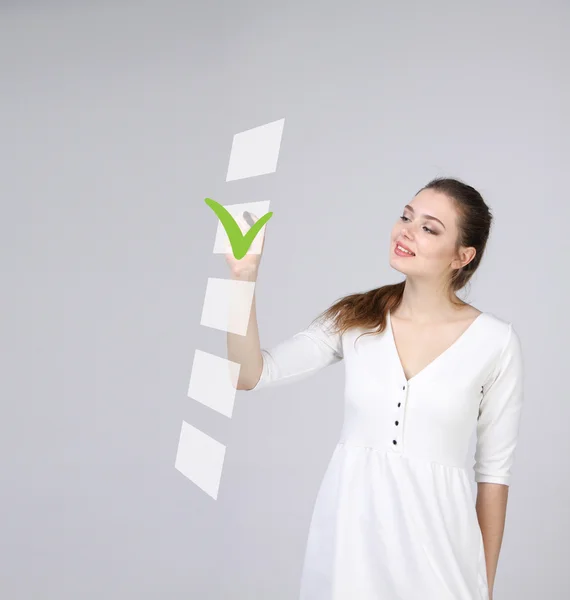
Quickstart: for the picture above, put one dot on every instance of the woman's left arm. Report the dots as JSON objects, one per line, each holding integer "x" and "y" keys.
{"x": 497, "y": 435}
{"x": 491, "y": 509}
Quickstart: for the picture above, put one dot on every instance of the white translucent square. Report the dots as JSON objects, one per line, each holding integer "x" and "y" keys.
{"x": 200, "y": 458}
{"x": 255, "y": 151}
{"x": 227, "y": 305}
{"x": 213, "y": 382}
{"x": 222, "y": 243}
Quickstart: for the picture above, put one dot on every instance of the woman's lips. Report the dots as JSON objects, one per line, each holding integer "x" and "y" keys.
{"x": 401, "y": 252}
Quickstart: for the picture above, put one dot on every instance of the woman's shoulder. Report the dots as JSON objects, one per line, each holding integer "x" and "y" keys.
{"x": 497, "y": 326}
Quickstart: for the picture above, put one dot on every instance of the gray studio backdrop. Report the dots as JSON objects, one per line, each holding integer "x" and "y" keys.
{"x": 116, "y": 121}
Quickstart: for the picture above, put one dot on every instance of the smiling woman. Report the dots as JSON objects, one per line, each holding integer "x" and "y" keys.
{"x": 394, "y": 516}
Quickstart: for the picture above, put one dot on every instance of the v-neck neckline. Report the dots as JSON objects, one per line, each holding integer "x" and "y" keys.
{"x": 436, "y": 359}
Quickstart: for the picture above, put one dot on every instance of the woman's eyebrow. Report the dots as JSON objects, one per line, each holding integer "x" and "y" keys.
{"x": 426, "y": 216}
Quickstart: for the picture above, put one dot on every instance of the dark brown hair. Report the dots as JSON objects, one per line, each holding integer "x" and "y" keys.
{"x": 369, "y": 309}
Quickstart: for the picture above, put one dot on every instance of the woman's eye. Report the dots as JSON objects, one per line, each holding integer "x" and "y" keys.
{"x": 404, "y": 218}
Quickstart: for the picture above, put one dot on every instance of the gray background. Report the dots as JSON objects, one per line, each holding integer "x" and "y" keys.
{"x": 116, "y": 121}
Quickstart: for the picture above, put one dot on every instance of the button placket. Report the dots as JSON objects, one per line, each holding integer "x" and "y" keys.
{"x": 396, "y": 441}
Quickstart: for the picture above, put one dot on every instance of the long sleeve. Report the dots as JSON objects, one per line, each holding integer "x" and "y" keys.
{"x": 301, "y": 355}
{"x": 499, "y": 415}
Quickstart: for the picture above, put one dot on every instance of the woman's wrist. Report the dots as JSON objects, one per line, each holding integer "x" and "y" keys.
{"x": 244, "y": 276}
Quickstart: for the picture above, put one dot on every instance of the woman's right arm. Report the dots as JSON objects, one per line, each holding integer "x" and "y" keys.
{"x": 292, "y": 359}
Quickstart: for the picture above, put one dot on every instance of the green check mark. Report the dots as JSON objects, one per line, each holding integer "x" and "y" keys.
{"x": 240, "y": 243}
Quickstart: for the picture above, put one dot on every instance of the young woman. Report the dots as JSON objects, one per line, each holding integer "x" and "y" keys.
{"x": 394, "y": 518}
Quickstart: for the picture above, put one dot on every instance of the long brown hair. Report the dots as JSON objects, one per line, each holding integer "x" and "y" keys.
{"x": 369, "y": 309}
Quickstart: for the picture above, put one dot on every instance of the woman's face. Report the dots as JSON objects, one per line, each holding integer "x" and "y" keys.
{"x": 428, "y": 227}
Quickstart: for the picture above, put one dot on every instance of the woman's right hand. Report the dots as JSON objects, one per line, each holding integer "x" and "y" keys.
{"x": 247, "y": 267}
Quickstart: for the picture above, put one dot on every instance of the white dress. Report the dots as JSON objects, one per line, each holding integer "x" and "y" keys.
{"x": 394, "y": 518}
